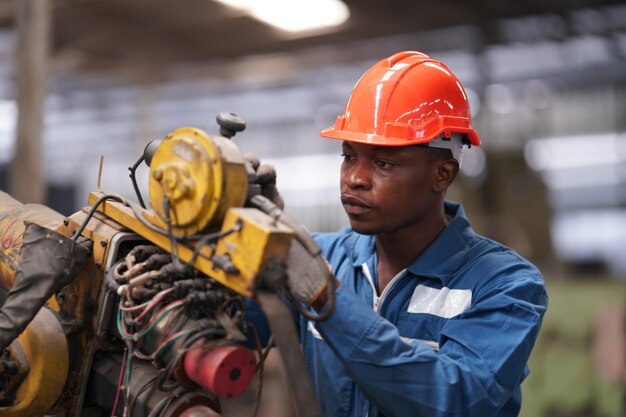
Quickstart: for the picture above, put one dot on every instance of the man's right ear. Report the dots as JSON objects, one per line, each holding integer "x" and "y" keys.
{"x": 446, "y": 173}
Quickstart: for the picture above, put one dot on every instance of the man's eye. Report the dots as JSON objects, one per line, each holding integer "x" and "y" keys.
{"x": 383, "y": 164}
{"x": 347, "y": 157}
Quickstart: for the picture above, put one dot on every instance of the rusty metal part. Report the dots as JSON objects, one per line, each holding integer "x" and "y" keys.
{"x": 14, "y": 368}
{"x": 253, "y": 239}
{"x": 145, "y": 394}
{"x": 46, "y": 350}
{"x": 80, "y": 303}
{"x": 201, "y": 177}
{"x": 48, "y": 262}
{"x": 12, "y": 217}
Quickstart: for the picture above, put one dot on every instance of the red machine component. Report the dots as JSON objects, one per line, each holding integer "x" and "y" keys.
{"x": 226, "y": 371}
{"x": 199, "y": 411}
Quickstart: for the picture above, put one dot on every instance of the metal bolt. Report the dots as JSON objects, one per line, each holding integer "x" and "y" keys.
{"x": 157, "y": 174}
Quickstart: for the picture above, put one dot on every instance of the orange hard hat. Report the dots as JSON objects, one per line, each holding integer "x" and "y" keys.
{"x": 406, "y": 99}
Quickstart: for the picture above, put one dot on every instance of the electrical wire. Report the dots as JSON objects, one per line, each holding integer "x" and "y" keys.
{"x": 260, "y": 369}
{"x": 119, "y": 383}
{"x": 328, "y": 308}
{"x": 154, "y": 320}
{"x": 170, "y": 339}
{"x": 142, "y": 279}
{"x": 138, "y": 216}
{"x": 130, "y": 348}
{"x": 216, "y": 332}
{"x": 170, "y": 233}
{"x": 92, "y": 211}
{"x": 268, "y": 347}
{"x": 161, "y": 406}
{"x": 133, "y": 179}
{"x": 141, "y": 390}
{"x": 115, "y": 271}
{"x": 211, "y": 237}
{"x": 149, "y": 305}
{"x": 145, "y": 223}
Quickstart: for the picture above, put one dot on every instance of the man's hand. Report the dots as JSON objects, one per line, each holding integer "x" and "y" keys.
{"x": 266, "y": 179}
{"x": 308, "y": 276}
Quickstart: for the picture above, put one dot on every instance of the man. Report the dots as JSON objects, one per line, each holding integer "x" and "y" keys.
{"x": 430, "y": 318}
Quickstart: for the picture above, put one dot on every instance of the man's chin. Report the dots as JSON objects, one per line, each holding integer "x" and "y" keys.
{"x": 363, "y": 228}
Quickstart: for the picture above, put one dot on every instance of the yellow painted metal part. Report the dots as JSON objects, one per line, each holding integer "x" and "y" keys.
{"x": 49, "y": 383}
{"x": 201, "y": 176}
{"x": 46, "y": 351}
{"x": 80, "y": 298}
{"x": 12, "y": 217}
{"x": 85, "y": 287}
{"x": 258, "y": 240}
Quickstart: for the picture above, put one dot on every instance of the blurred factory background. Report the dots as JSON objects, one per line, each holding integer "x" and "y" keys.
{"x": 547, "y": 81}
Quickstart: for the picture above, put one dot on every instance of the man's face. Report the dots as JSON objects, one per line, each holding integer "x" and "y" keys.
{"x": 384, "y": 189}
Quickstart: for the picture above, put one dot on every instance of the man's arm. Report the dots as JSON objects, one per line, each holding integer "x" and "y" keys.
{"x": 482, "y": 356}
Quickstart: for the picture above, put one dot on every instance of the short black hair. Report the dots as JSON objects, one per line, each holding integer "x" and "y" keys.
{"x": 436, "y": 154}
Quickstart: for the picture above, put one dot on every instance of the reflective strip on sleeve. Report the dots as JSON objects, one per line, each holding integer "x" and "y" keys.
{"x": 444, "y": 302}
{"x": 311, "y": 328}
{"x": 430, "y": 343}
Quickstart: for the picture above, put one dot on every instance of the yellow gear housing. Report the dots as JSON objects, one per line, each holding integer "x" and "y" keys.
{"x": 200, "y": 176}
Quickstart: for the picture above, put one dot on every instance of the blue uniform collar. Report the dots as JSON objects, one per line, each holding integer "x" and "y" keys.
{"x": 440, "y": 260}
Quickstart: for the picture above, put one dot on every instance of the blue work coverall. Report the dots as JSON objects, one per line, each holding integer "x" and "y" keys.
{"x": 449, "y": 336}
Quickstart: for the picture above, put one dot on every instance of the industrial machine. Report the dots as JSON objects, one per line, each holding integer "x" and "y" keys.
{"x": 154, "y": 323}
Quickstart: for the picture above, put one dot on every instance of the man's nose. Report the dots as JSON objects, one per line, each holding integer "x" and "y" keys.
{"x": 357, "y": 175}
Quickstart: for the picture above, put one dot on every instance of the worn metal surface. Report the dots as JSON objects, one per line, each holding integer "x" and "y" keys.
{"x": 46, "y": 350}
{"x": 201, "y": 176}
{"x": 259, "y": 239}
{"x": 78, "y": 304}
{"x": 12, "y": 217}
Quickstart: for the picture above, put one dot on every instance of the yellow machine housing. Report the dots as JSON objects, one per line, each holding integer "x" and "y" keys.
{"x": 200, "y": 176}
{"x": 256, "y": 239}
{"x": 54, "y": 386}
{"x": 198, "y": 185}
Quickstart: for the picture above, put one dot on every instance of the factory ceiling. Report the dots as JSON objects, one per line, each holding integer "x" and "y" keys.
{"x": 149, "y": 36}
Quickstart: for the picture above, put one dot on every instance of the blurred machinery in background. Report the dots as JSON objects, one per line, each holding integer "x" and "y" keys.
{"x": 154, "y": 323}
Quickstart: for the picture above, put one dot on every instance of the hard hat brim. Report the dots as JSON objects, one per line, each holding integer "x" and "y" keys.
{"x": 380, "y": 140}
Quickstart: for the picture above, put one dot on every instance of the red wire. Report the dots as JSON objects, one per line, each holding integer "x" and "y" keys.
{"x": 167, "y": 309}
{"x": 157, "y": 299}
{"x": 119, "y": 383}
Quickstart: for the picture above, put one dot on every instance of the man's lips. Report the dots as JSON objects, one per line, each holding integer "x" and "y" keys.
{"x": 354, "y": 205}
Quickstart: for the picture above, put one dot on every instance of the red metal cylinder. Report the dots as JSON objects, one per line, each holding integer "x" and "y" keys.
{"x": 225, "y": 371}
{"x": 199, "y": 411}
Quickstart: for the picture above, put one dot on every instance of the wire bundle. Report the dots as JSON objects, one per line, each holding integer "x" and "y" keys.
{"x": 164, "y": 308}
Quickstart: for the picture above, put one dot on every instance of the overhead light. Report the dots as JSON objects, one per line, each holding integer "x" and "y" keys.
{"x": 294, "y": 16}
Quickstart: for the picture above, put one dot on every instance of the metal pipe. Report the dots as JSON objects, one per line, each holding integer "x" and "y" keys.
{"x": 284, "y": 330}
